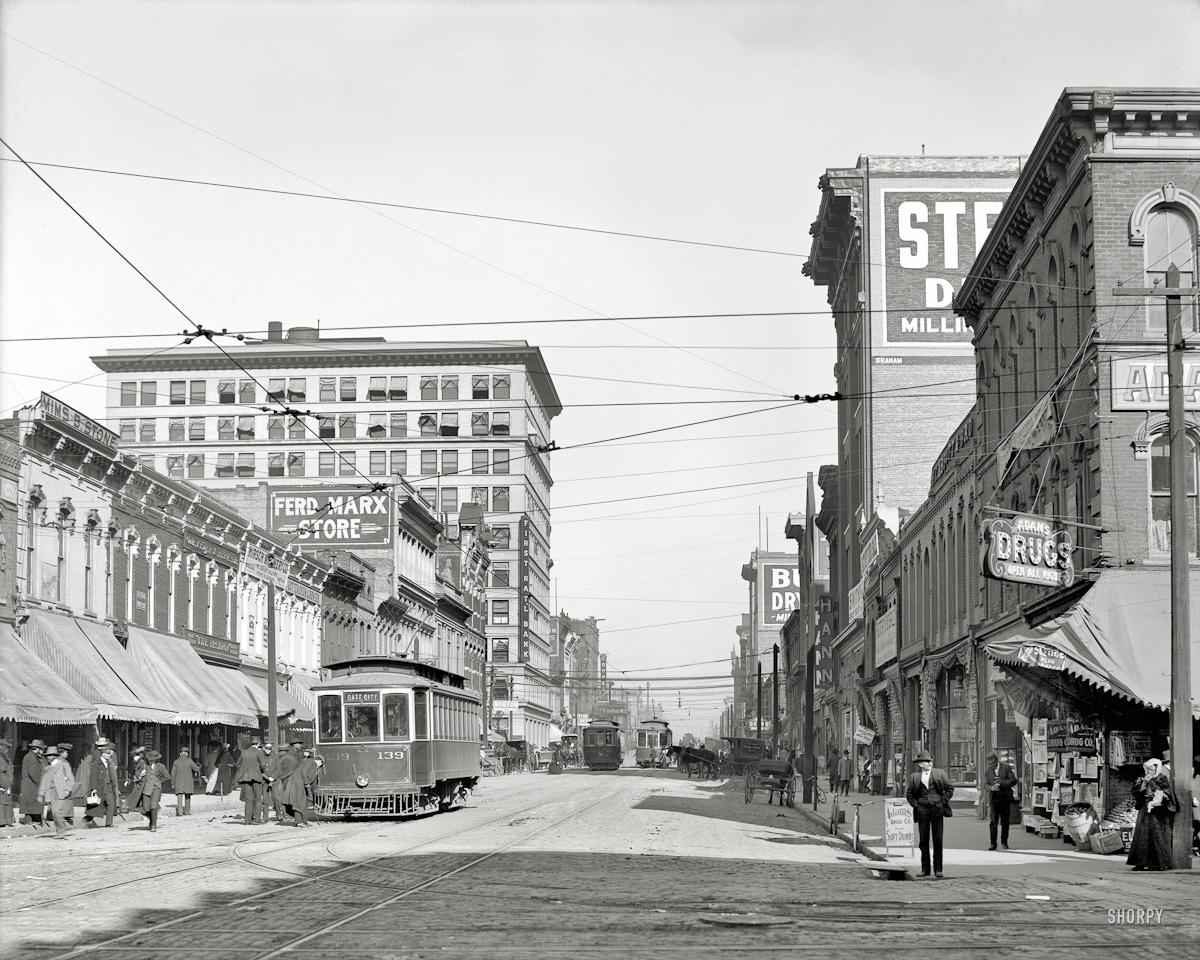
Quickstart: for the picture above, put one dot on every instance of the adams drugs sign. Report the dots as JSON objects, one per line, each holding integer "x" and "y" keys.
{"x": 332, "y": 516}
{"x": 1025, "y": 549}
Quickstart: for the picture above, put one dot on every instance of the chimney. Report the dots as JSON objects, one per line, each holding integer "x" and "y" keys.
{"x": 274, "y": 330}
{"x": 306, "y": 334}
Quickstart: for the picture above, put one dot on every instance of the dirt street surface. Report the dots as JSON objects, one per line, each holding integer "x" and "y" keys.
{"x": 629, "y": 864}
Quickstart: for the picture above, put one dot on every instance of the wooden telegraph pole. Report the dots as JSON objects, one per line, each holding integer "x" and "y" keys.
{"x": 775, "y": 702}
{"x": 1181, "y": 659}
{"x": 758, "y": 722}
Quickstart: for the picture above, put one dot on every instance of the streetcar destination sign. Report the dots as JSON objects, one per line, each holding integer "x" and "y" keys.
{"x": 1025, "y": 549}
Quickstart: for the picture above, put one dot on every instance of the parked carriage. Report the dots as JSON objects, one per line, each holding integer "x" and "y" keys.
{"x": 602, "y": 745}
{"x": 570, "y": 750}
{"x": 775, "y": 776}
{"x": 398, "y": 738}
{"x": 653, "y": 741}
{"x": 743, "y": 752}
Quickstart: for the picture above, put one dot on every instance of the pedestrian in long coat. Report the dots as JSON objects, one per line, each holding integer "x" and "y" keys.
{"x": 32, "y": 767}
{"x": 289, "y": 788}
{"x": 310, "y": 772}
{"x": 1154, "y": 798}
{"x": 227, "y": 767}
{"x": 183, "y": 781}
{"x": 56, "y": 789}
{"x": 251, "y": 775}
{"x": 106, "y": 783}
{"x": 271, "y": 768}
{"x": 6, "y": 785}
{"x": 83, "y": 776}
{"x": 148, "y": 788}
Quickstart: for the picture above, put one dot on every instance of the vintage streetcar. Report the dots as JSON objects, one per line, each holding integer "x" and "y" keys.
{"x": 397, "y": 737}
{"x": 653, "y": 741}
{"x": 602, "y": 745}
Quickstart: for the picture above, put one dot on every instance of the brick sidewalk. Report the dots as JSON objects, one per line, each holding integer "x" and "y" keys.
{"x": 201, "y": 804}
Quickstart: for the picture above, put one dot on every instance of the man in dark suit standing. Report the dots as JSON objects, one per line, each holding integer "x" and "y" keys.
{"x": 999, "y": 780}
{"x": 251, "y": 775}
{"x": 929, "y": 793}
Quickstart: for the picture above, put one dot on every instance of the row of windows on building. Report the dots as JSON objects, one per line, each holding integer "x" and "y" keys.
{"x": 379, "y": 426}
{"x": 379, "y": 463}
{"x": 328, "y": 389}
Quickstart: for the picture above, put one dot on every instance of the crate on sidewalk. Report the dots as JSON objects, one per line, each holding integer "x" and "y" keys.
{"x": 1108, "y": 842}
{"x": 1048, "y": 831}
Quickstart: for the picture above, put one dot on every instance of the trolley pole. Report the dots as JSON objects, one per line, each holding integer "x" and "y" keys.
{"x": 775, "y": 702}
{"x": 1181, "y": 660}
{"x": 758, "y": 712}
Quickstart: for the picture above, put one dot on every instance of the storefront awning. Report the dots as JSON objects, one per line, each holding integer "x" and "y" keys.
{"x": 556, "y": 733}
{"x": 286, "y": 706}
{"x": 95, "y": 665}
{"x": 201, "y": 693}
{"x": 30, "y": 692}
{"x": 300, "y": 687}
{"x": 1117, "y": 638}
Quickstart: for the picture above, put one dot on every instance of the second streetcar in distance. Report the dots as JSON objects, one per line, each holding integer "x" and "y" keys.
{"x": 602, "y": 745}
{"x": 653, "y": 741}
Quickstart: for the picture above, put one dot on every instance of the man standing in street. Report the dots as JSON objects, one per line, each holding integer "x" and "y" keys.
{"x": 251, "y": 775}
{"x": 32, "y": 767}
{"x": 999, "y": 780}
{"x": 106, "y": 785}
{"x": 183, "y": 781}
{"x": 271, "y": 784}
{"x": 845, "y": 771}
{"x": 57, "y": 789}
{"x": 929, "y": 793}
{"x": 309, "y": 772}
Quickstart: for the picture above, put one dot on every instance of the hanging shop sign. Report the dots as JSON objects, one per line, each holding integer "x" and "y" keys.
{"x": 1027, "y": 549}
{"x": 1041, "y": 655}
{"x": 1068, "y": 736}
{"x": 864, "y": 735}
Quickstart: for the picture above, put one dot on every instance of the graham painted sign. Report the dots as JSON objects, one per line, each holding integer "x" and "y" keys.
{"x": 930, "y": 238}
{"x": 331, "y": 516}
{"x": 1025, "y": 549}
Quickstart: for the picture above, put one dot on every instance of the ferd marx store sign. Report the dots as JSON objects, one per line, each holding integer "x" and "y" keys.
{"x": 332, "y": 516}
{"x": 1025, "y": 549}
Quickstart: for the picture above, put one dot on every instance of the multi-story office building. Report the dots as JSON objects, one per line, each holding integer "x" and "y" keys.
{"x": 462, "y": 423}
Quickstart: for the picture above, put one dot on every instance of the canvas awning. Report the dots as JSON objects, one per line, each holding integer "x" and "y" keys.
{"x": 1117, "y": 638}
{"x": 286, "y": 706}
{"x": 93, "y": 663}
{"x": 300, "y": 687}
{"x": 556, "y": 732}
{"x": 201, "y": 693}
{"x": 30, "y": 692}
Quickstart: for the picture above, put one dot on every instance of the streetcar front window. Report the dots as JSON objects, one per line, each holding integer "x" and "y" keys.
{"x": 362, "y": 721}
{"x": 395, "y": 716}
{"x": 329, "y": 710}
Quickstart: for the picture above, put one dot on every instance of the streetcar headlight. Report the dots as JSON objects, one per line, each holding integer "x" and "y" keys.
{"x": 362, "y": 780}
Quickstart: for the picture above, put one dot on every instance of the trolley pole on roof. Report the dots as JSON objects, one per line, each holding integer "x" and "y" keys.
{"x": 1181, "y": 660}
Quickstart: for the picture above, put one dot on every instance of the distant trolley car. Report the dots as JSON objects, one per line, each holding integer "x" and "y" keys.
{"x": 398, "y": 738}
{"x": 602, "y": 745}
{"x": 653, "y": 740}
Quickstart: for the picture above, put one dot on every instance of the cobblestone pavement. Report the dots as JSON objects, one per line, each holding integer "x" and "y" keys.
{"x": 638, "y": 864}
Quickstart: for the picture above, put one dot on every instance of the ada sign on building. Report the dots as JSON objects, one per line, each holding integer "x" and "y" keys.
{"x": 1026, "y": 549}
{"x": 332, "y": 516}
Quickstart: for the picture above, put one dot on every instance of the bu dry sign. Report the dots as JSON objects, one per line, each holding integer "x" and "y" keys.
{"x": 1026, "y": 549}
{"x": 332, "y": 516}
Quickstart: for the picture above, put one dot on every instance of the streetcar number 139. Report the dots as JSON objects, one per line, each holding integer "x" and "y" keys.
{"x": 391, "y": 754}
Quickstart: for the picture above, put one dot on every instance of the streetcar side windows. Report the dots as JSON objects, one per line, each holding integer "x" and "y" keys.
{"x": 329, "y": 710}
{"x": 395, "y": 716}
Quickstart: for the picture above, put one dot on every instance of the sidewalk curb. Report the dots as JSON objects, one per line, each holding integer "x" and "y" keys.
{"x": 816, "y": 819}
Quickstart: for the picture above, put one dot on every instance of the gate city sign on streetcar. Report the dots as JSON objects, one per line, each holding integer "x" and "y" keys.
{"x": 1025, "y": 549}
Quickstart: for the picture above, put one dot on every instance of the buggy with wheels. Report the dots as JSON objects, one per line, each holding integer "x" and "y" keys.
{"x": 774, "y": 776}
{"x": 743, "y": 752}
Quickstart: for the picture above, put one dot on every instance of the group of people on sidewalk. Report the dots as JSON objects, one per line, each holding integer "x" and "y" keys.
{"x": 285, "y": 779}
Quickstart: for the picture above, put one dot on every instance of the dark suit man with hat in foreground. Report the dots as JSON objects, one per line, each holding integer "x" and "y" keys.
{"x": 251, "y": 775}
{"x": 929, "y": 793}
{"x": 32, "y": 767}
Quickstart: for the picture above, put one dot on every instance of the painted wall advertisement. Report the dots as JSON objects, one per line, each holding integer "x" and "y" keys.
{"x": 331, "y": 516}
{"x": 928, "y": 242}
{"x": 780, "y": 591}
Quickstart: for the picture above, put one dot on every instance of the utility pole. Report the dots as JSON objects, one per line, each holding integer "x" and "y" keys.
{"x": 1181, "y": 659}
{"x": 272, "y": 694}
{"x": 775, "y": 701}
{"x": 758, "y": 719}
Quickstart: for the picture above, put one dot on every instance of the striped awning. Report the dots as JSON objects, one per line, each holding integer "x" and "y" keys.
{"x": 287, "y": 707}
{"x": 30, "y": 692}
{"x": 93, "y": 663}
{"x": 201, "y": 693}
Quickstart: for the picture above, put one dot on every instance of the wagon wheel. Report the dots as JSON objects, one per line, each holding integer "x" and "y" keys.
{"x": 751, "y": 780}
{"x": 789, "y": 795}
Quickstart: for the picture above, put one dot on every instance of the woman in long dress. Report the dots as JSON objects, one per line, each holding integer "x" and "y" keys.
{"x": 1156, "y": 805}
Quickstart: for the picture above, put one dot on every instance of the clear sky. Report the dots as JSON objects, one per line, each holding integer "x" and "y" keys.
{"x": 702, "y": 121}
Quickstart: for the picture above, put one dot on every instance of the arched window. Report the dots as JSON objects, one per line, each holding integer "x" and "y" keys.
{"x": 1170, "y": 239}
{"x": 1076, "y": 281}
{"x": 1160, "y": 495}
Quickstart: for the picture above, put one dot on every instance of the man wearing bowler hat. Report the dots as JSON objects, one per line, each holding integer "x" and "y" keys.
{"x": 999, "y": 780}
{"x": 32, "y": 768}
{"x": 929, "y": 793}
{"x": 106, "y": 784}
{"x": 56, "y": 789}
{"x": 251, "y": 775}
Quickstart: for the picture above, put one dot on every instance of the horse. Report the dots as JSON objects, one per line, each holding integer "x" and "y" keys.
{"x": 705, "y": 761}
